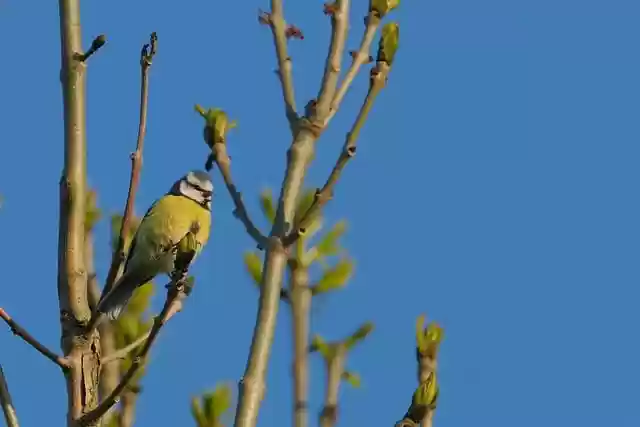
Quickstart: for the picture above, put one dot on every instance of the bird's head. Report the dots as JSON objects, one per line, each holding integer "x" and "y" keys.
{"x": 197, "y": 186}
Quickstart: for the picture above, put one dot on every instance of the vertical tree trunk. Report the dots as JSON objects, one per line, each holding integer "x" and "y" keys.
{"x": 83, "y": 352}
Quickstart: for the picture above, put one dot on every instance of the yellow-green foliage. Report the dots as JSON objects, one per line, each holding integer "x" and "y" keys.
{"x": 428, "y": 338}
{"x": 311, "y": 248}
{"x": 209, "y": 408}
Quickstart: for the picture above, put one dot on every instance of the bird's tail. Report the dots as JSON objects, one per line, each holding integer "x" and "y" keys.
{"x": 113, "y": 303}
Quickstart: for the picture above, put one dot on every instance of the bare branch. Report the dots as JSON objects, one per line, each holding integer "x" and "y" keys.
{"x": 109, "y": 374}
{"x": 221, "y": 158}
{"x": 176, "y": 293}
{"x": 97, "y": 43}
{"x": 300, "y": 305}
{"x": 335, "y": 369}
{"x": 378, "y": 80}
{"x": 29, "y": 339}
{"x": 146, "y": 59}
{"x": 339, "y": 12}
{"x": 10, "y": 416}
{"x": 278, "y": 26}
{"x": 124, "y": 351}
{"x": 361, "y": 57}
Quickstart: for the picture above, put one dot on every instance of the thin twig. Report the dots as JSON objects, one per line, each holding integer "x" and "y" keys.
{"x": 173, "y": 304}
{"x": 146, "y": 59}
{"x": 378, "y": 80}
{"x": 10, "y": 416}
{"x": 279, "y": 31}
{"x": 340, "y": 28}
{"x": 335, "y": 369}
{"x": 361, "y": 57}
{"x": 219, "y": 150}
{"x": 29, "y": 339}
{"x": 124, "y": 351}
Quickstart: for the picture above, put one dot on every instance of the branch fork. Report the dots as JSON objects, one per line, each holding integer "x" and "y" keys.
{"x": 178, "y": 290}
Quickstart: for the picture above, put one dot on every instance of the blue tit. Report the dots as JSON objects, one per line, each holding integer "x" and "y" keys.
{"x": 185, "y": 209}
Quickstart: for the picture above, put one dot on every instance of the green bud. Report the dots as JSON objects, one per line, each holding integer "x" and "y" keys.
{"x": 335, "y": 277}
{"x": 428, "y": 339}
{"x": 426, "y": 393}
{"x": 320, "y": 345}
{"x": 359, "y": 335}
{"x": 382, "y": 7}
{"x": 217, "y": 124}
{"x": 388, "y": 44}
{"x": 352, "y": 378}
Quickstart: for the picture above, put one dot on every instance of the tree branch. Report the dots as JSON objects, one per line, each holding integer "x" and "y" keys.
{"x": 109, "y": 374}
{"x": 221, "y": 158}
{"x": 124, "y": 351}
{"x": 252, "y": 385}
{"x": 335, "y": 369}
{"x": 10, "y": 416}
{"x": 361, "y": 57}
{"x": 29, "y": 339}
{"x": 378, "y": 80}
{"x": 279, "y": 30}
{"x": 176, "y": 293}
{"x": 300, "y": 304}
{"x": 146, "y": 59}
{"x": 80, "y": 351}
{"x": 339, "y": 12}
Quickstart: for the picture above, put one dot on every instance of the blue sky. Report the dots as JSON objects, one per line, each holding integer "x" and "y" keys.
{"x": 495, "y": 189}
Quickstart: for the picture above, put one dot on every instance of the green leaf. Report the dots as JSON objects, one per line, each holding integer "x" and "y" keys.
{"x": 116, "y": 223}
{"x": 127, "y": 328}
{"x": 388, "y": 44}
{"x": 382, "y": 7}
{"x": 140, "y": 300}
{"x": 93, "y": 212}
{"x": 220, "y": 400}
{"x": 352, "y": 378}
{"x": 253, "y": 262}
{"x": 359, "y": 335}
{"x": 335, "y": 277}
{"x": 197, "y": 413}
{"x": 329, "y": 244}
{"x": 318, "y": 344}
{"x": 267, "y": 205}
{"x": 211, "y": 406}
{"x": 304, "y": 202}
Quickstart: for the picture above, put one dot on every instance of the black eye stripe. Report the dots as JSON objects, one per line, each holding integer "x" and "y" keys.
{"x": 197, "y": 187}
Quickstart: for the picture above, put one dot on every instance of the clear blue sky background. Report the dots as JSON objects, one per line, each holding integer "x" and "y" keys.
{"x": 495, "y": 189}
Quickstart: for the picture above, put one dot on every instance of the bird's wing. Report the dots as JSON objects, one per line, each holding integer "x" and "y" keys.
{"x": 135, "y": 237}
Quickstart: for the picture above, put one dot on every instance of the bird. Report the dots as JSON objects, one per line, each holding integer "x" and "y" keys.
{"x": 178, "y": 222}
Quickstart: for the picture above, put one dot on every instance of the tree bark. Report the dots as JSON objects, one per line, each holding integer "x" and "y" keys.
{"x": 82, "y": 352}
